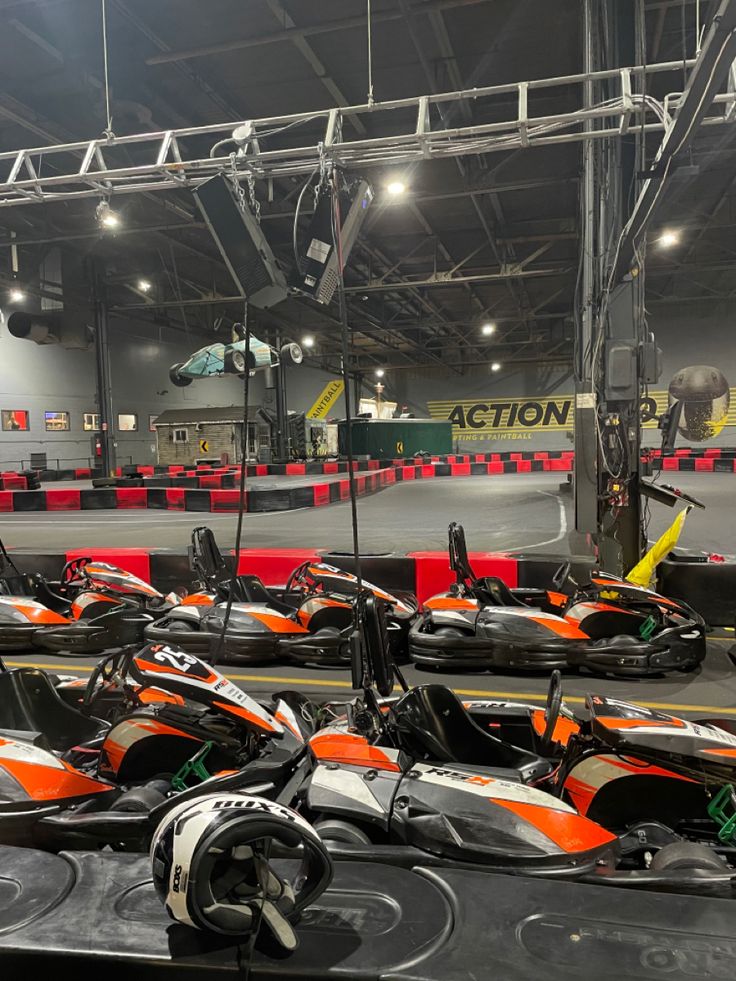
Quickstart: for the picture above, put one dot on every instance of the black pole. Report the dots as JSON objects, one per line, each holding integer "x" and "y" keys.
{"x": 102, "y": 364}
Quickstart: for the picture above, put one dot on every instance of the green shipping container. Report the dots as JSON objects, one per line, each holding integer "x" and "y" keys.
{"x": 389, "y": 438}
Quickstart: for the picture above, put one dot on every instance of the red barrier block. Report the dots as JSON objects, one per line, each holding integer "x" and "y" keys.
{"x": 712, "y": 451}
{"x": 175, "y": 468}
{"x": 495, "y": 458}
{"x": 226, "y": 500}
{"x": 296, "y": 469}
{"x": 14, "y": 482}
{"x": 460, "y": 470}
{"x": 118, "y": 471}
{"x": 516, "y": 456}
{"x": 670, "y": 463}
{"x": 135, "y": 560}
{"x": 82, "y": 473}
{"x": 544, "y": 455}
{"x": 360, "y": 485}
{"x": 261, "y": 470}
{"x": 210, "y": 483}
{"x": 427, "y": 470}
{"x": 706, "y": 464}
{"x": 321, "y": 494}
{"x": 408, "y": 473}
{"x": 131, "y": 497}
{"x": 568, "y": 454}
{"x": 372, "y": 465}
{"x": 333, "y": 467}
{"x": 683, "y": 451}
{"x": 496, "y": 466}
{"x": 273, "y": 565}
{"x": 390, "y": 476}
{"x": 6, "y": 501}
{"x": 63, "y": 499}
{"x": 146, "y": 471}
{"x": 344, "y": 490}
{"x": 524, "y": 466}
{"x": 174, "y": 498}
{"x": 433, "y": 573}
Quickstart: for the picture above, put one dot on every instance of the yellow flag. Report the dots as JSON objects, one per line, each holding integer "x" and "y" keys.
{"x": 643, "y": 572}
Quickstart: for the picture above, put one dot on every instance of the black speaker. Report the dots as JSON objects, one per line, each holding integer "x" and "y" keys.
{"x": 241, "y": 242}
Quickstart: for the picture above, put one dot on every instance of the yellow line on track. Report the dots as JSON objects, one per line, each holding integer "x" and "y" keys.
{"x": 474, "y": 692}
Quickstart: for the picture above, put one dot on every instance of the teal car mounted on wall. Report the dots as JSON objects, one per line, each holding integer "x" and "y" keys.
{"x": 220, "y": 359}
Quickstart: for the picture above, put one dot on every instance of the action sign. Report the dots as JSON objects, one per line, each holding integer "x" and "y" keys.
{"x": 326, "y": 399}
{"x": 204, "y": 446}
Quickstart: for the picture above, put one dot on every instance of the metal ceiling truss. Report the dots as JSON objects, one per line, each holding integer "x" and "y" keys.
{"x": 166, "y": 160}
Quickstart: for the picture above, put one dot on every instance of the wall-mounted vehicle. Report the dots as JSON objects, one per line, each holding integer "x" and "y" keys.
{"x": 216, "y": 360}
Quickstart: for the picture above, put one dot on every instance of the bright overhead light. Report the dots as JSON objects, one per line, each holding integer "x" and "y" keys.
{"x": 106, "y": 216}
{"x": 144, "y": 286}
{"x": 488, "y": 329}
{"x": 380, "y": 372}
{"x": 496, "y": 366}
{"x": 396, "y": 187}
{"x": 308, "y": 341}
{"x": 17, "y": 296}
{"x": 668, "y": 238}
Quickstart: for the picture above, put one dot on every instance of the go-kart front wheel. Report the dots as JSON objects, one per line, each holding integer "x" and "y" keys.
{"x": 181, "y": 381}
{"x": 235, "y": 362}
{"x": 291, "y": 354}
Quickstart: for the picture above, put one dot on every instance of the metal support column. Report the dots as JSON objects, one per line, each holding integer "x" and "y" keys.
{"x": 282, "y": 415}
{"x": 102, "y": 363}
{"x": 586, "y": 445}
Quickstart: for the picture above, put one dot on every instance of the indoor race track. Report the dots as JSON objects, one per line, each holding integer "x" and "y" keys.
{"x": 521, "y": 512}
{"x": 500, "y": 513}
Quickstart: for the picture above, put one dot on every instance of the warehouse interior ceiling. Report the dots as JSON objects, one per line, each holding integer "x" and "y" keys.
{"x": 481, "y": 238}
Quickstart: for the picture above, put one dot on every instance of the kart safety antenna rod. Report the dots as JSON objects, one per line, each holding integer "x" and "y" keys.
{"x": 337, "y": 245}
{"x": 241, "y": 496}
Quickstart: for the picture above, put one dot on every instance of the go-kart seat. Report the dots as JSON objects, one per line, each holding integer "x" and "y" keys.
{"x": 250, "y": 589}
{"x": 494, "y": 592}
{"x": 30, "y": 703}
{"x": 435, "y": 726}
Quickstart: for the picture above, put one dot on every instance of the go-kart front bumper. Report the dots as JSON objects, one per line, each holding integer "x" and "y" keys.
{"x": 483, "y": 653}
{"x": 93, "y": 637}
{"x": 673, "y": 649}
{"x": 237, "y": 646}
{"x": 18, "y": 637}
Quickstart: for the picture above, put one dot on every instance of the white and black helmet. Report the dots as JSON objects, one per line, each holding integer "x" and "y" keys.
{"x": 212, "y": 866}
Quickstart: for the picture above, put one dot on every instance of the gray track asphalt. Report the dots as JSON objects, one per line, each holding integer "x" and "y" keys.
{"x": 520, "y": 512}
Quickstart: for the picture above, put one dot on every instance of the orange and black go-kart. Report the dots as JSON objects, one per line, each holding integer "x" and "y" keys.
{"x": 94, "y": 607}
{"x": 419, "y": 781}
{"x": 69, "y": 779}
{"x": 609, "y": 626}
{"x": 309, "y": 621}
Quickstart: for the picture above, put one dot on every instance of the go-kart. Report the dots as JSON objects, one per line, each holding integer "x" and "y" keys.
{"x": 418, "y": 777}
{"x": 309, "y": 622}
{"x": 609, "y": 625}
{"x": 176, "y": 726}
{"x": 220, "y": 359}
{"x": 93, "y": 607}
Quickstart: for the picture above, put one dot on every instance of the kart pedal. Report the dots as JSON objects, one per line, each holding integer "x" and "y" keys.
{"x": 723, "y": 811}
{"x": 648, "y": 628}
{"x": 193, "y": 767}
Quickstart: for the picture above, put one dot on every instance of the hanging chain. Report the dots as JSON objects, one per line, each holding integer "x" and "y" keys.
{"x": 255, "y": 204}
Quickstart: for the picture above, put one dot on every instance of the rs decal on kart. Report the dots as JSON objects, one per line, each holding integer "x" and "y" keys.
{"x": 489, "y": 787}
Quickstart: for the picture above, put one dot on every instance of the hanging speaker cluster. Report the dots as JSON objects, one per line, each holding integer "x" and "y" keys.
{"x": 249, "y": 257}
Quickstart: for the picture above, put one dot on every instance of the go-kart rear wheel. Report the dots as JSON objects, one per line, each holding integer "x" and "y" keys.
{"x": 235, "y": 362}
{"x": 291, "y": 354}
{"x": 141, "y": 800}
{"x": 684, "y": 855}
{"x": 181, "y": 381}
{"x": 343, "y": 832}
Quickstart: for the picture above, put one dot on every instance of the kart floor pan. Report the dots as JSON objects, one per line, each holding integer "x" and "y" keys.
{"x": 96, "y": 915}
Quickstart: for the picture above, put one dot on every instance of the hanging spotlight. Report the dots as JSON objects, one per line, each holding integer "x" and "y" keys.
{"x": 16, "y": 295}
{"x": 145, "y": 286}
{"x": 106, "y": 217}
{"x": 496, "y": 366}
{"x": 380, "y": 372}
{"x": 668, "y": 239}
{"x": 395, "y": 188}
{"x": 307, "y": 341}
{"x": 488, "y": 329}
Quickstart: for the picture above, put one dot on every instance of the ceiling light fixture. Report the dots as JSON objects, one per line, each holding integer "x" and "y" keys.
{"x": 668, "y": 239}
{"x": 395, "y": 188}
{"x": 308, "y": 341}
{"x": 106, "y": 217}
{"x": 16, "y": 295}
{"x": 380, "y": 372}
{"x": 144, "y": 286}
{"x": 496, "y": 366}
{"x": 488, "y": 329}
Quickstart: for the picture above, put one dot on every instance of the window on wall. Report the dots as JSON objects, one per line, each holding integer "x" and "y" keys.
{"x": 181, "y": 435}
{"x": 127, "y": 422}
{"x": 15, "y": 420}
{"x": 56, "y": 422}
{"x": 91, "y": 422}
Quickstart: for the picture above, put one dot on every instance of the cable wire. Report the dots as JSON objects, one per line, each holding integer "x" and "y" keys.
{"x": 108, "y": 131}
{"x": 370, "y": 57}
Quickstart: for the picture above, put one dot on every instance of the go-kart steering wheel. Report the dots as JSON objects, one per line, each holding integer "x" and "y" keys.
{"x": 551, "y": 711}
{"x": 72, "y": 570}
{"x": 559, "y": 579}
{"x": 298, "y": 578}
